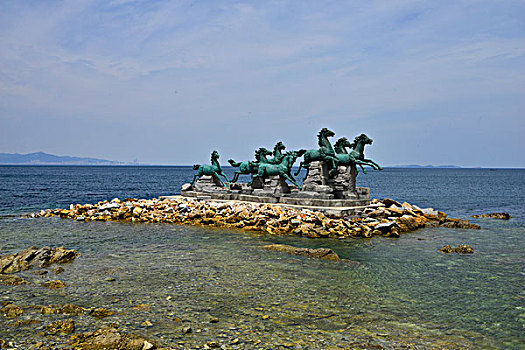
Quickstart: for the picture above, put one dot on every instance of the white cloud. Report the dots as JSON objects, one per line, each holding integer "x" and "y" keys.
{"x": 256, "y": 66}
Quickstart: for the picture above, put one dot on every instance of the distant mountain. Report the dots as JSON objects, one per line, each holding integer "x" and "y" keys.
{"x": 426, "y": 166}
{"x": 41, "y": 158}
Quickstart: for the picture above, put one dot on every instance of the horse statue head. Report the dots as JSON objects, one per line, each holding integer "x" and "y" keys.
{"x": 341, "y": 143}
{"x": 214, "y": 155}
{"x": 262, "y": 152}
{"x": 323, "y": 134}
{"x": 279, "y": 146}
{"x": 365, "y": 140}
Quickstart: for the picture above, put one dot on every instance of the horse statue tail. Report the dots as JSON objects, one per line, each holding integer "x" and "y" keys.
{"x": 196, "y": 166}
{"x": 234, "y": 163}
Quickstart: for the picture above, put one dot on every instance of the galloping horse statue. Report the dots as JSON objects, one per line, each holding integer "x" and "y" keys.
{"x": 282, "y": 169}
{"x": 342, "y": 154}
{"x": 277, "y": 153}
{"x": 325, "y": 153}
{"x": 358, "y": 153}
{"x": 250, "y": 167}
{"x": 214, "y": 169}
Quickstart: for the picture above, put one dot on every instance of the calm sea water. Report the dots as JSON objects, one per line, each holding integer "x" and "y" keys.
{"x": 403, "y": 289}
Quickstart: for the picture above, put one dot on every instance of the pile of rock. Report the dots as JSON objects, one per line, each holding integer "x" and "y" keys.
{"x": 387, "y": 217}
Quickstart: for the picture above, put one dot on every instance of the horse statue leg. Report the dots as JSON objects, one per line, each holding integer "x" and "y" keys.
{"x": 301, "y": 166}
{"x": 375, "y": 165}
{"x": 194, "y": 178}
{"x": 291, "y": 179}
{"x": 224, "y": 175}
{"x": 334, "y": 161}
{"x": 199, "y": 174}
{"x": 218, "y": 178}
{"x": 235, "y": 176}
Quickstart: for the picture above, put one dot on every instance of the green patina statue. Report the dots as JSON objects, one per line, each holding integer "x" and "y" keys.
{"x": 325, "y": 153}
{"x": 342, "y": 154}
{"x": 282, "y": 169}
{"x": 214, "y": 169}
{"x": 250, "y": 167}
{"x": 358, "y": 153}
{"x": 277, "y": 153}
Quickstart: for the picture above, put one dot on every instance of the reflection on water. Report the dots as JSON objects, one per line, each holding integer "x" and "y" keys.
{"x": 401, "y": 291}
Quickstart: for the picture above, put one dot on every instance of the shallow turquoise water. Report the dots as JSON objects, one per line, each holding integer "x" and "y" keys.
{"x": 401, "y": 291}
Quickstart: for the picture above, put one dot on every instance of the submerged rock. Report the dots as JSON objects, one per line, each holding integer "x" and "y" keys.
{"x": 459, "y": 223}
{"x": 464, "y": 249}
{"x": 54, "y": 284}
{"x": 447, "y": 249}
{"x": 461, "y": 249}
{"x": 10, "y": 280}
{"x": 320, "y": 253}
{"x": 111, "y": 338}
{"x": 61, "y": 327}
{"x": 12, "y": 310}
{"x": 33, "y": 256}
{"x": 69, "y": 309}
{"x": 501, "y": 216}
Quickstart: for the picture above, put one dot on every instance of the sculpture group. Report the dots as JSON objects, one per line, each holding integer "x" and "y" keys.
{"x": 343, "y": 153}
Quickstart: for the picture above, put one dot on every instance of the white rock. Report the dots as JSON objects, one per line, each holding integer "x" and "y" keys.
{"x": 429, "y": 211}
{"x": 147, "y": 345}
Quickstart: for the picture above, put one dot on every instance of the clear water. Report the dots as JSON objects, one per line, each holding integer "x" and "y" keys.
{"x": 402, "y": 291}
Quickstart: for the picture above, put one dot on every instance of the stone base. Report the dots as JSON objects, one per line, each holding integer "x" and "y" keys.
{"x": 209, "y": 184}
{"x": 284, "y": 199}
{"x": 318, "y": 190}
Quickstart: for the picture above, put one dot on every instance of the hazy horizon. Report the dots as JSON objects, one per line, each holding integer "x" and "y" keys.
{"x": 167, "y": 82}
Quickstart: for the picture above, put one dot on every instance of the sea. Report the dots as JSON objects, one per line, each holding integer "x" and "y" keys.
{"x": 392, "y": 293}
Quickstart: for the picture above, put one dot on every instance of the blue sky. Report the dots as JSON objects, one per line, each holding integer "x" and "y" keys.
{"x": 432, "y": 82}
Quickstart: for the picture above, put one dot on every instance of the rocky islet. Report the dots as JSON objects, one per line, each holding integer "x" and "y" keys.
{"x": 386, "y": 218}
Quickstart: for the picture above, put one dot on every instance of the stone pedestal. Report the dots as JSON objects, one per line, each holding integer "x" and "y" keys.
{"x": 318, "y": 190}
{"x": 319, "y": 184}
{"x": 209, "y": 184}
{"x": 271, "y": 186}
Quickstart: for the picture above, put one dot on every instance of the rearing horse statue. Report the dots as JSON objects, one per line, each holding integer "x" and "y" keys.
{"x": 358, "y": 152}
{"x": 325, "y": 153}
{"x": 282, "y": 169}
{"x": 277, "y": 153}
{"x": 250, "y": 167}
{"x": 342, "y": 154}
{"x": 214, "y": 169}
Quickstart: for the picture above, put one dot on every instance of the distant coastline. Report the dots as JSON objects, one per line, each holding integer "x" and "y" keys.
{"x": 41, "y": 158}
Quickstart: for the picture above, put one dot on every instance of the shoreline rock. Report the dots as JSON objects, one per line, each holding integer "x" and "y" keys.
{"x": 33, "y": 256}
{"x": 500, "y": 216}
{"x": 387, "y": 218}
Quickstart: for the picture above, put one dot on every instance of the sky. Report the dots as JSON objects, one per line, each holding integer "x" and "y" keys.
{"x": 167, "y": 82}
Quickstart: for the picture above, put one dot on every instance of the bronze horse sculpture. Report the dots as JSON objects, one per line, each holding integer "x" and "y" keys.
{"x": 277, "y": 153}
{"x": 342, "y": 154}
{"x": 282, "y": 169}
{"x": 214, "y": 169}
{"x": 325, "y": 153}
{"x": 357, "y": 155}
{"x": 249, "y": 167}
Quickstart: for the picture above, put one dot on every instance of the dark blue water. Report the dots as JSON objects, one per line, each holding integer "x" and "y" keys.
{"x": 456, "y": 191}
{"x": 405, "y": 288}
